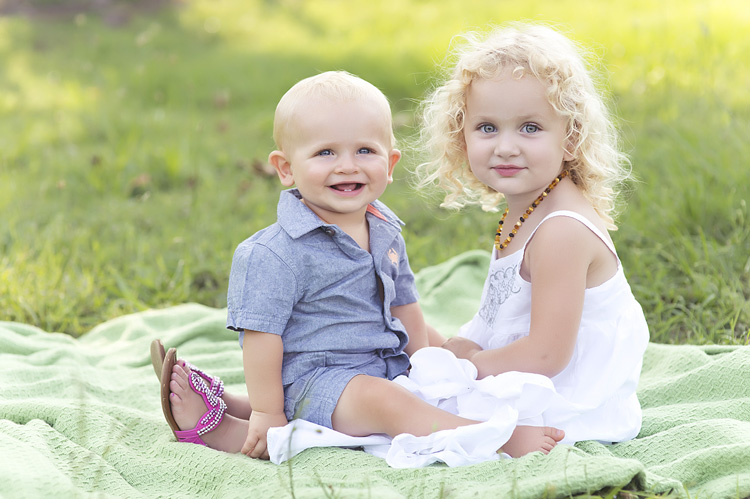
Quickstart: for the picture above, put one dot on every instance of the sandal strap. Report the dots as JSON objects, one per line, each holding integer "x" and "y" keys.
{"x": 215, "y": 382}
{"x": 211, "y": 419}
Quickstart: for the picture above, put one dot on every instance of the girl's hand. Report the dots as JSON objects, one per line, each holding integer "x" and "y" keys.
{"x": 462, "y": 348}
{"x": 256, "y": 444}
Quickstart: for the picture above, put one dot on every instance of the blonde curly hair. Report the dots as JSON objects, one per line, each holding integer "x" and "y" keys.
{"x": 598, "y": 167}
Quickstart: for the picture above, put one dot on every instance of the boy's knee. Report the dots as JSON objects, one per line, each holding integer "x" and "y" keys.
{"x": 368, "y": 391}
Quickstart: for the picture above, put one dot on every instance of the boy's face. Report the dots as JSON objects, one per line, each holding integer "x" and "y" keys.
{"x": 339, "y": 155}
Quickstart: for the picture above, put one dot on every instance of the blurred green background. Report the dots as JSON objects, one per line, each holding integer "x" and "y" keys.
{"x": 134, "y": 136}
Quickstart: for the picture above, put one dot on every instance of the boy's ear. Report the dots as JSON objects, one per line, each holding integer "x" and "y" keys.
{"x": 393, "y": 158}
{"x": 283, "y": 167}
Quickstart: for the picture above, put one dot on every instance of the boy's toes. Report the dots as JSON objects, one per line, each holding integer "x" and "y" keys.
{"x": 553, "y": 433}
{"x": 548, "y": 445}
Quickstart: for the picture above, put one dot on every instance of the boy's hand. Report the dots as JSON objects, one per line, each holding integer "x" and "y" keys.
{"x": 462, "y": 348}
{"x": 256, "y": 444}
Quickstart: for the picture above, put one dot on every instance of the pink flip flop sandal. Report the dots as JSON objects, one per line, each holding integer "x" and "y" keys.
{"x": 157, "y": 361}
{"x": 210, "y": 420}
{"x": 157, "y": 356}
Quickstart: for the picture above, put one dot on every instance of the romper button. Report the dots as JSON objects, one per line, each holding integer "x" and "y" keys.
{"x": 329, "y": 231}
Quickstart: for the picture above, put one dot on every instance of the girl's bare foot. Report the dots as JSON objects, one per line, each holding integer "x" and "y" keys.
{"x": 188, "y": 407}
{"x": 527, "y": 439}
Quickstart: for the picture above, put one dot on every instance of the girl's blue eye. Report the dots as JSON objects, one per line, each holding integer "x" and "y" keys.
{"x": 530, "y": 128}
{"x": 487, "y": 128}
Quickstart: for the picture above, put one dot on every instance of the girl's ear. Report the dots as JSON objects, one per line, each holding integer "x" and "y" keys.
{"x": 283, "y": 167}
{"x": 567, "y": 155}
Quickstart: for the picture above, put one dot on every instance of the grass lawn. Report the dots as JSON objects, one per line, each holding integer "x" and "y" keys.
{"x": 133, "y": 144}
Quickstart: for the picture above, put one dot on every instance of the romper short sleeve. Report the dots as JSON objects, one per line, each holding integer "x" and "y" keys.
{"x": 406, "y": 289}
{"x": 262, "y": 290}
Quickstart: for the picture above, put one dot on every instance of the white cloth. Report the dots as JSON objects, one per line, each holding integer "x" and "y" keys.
{"x": 500, "y": 402}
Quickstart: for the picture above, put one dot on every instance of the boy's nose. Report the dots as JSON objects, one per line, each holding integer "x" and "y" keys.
{"x": 346, "y": 164}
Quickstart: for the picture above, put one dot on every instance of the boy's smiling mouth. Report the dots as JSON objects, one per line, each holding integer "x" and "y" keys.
{"x": 347, "y": 187}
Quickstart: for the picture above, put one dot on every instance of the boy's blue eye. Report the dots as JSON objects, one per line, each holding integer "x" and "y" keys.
{"x": 487, "y": 128}
{"x": 325, "y": 152}
{"x": 530, "y": 128}
{"x": 365, "y": 150}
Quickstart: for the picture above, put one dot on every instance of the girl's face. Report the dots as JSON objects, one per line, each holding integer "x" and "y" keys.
{"x": 515, "y": 140}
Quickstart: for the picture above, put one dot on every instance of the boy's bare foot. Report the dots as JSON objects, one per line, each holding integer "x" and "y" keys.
{"x": 188, "y": 407}
{"x": 527, "y": 439}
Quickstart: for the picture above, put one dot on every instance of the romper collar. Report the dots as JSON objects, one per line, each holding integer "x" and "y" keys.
{"x": 297, "y": 219}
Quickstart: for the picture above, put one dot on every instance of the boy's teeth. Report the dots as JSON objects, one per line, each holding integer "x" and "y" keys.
{"x": 345, "y": 187}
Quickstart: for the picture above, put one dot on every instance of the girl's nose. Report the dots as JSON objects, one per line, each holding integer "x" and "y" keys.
{"x": 506, "y": 145}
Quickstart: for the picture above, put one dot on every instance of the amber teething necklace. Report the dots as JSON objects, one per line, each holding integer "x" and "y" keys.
{"x": 500, "y": 246}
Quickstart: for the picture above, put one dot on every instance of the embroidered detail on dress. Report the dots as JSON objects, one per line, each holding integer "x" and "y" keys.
{"x": 500, "y": 285}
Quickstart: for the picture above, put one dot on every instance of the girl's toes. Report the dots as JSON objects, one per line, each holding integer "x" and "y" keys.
{"x": 175, "y": 386}
{"x": 179, "y": 372}
{"x": 176, "y": 401}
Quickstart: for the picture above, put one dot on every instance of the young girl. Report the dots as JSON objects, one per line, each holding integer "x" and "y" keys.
{"x": 519, "y": 120}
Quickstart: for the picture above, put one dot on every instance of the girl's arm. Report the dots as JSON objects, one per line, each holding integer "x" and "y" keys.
{"x": 262, "y": 355}
{"x": 434, "y": 338}
{"x": 417, "y": 329}
{"x": 558, "y": 261}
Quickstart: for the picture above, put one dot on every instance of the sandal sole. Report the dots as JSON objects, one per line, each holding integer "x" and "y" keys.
{"x": 166, "y": 376}
{"x": 157, "y": 356}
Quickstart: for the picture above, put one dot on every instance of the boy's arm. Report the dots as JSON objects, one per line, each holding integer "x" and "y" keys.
{"x": 262, "y": 355}
{"x": 420, "y": 333}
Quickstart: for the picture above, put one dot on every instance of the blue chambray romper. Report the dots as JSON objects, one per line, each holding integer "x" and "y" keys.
{"x": 329, "y": 299}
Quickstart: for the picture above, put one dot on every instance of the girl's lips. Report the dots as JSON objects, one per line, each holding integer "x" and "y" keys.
{"x": 507, "y": 171}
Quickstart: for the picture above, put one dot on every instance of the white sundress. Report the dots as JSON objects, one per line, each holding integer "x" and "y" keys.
{"x": 596, "y": 392}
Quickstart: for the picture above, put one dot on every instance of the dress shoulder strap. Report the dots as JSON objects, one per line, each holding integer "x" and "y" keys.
{"x": 585, "y": 221}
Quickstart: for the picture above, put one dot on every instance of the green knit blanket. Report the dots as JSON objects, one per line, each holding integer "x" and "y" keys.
{"x": 82, "y": 417}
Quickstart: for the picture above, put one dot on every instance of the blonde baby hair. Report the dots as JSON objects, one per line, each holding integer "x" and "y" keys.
{"x": 598, "y": 167}
{"x": 337, "y": 85}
